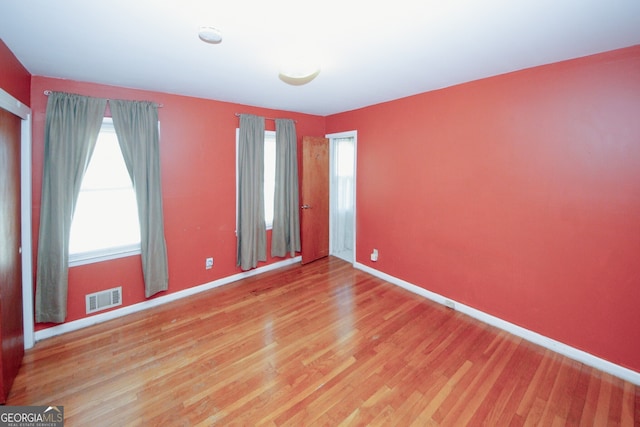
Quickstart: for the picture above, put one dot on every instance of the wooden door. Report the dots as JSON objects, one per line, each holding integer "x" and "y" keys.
{"x": 11, "y": 331}
{"x": 314, "y": 209}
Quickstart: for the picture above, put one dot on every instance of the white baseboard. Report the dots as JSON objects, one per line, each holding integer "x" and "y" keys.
{"x": 114, "y": 314}
{"x": 546, "y": 342}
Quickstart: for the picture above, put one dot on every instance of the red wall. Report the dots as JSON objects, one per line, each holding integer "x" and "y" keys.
{"x": 518, "y": 195}
{"x": 14, "y": 78}
{"x": 197, "y": 140}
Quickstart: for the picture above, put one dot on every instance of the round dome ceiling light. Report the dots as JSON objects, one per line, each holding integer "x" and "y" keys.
{"x": 297, "y": 80}
{"x": 298, "y": 72}
{"x": 210, "y": 35}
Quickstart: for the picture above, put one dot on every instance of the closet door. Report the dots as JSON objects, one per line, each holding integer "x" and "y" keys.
{"x": 11, "y": 329}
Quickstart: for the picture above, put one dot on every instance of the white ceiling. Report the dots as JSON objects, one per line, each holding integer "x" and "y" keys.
{"x": 370, "y": 51}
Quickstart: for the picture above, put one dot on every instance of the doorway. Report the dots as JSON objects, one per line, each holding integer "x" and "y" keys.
{"x": 342, "y": 195}
{"x": 12, "y": 105}
{"x": 15, "y": 332}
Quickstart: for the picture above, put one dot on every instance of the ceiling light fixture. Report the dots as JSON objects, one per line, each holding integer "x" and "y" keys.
{"x": 210, "y": 35}
{"x": 297, "y": 80}
{"x": 299, "y": 73}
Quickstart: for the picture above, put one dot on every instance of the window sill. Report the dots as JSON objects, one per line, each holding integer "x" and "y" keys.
{"x": 103, "y": 255}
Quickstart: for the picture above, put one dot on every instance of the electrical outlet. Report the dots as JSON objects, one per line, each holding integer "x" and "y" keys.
{"x": 374, "y": 255}
{"x": 208, "y": 263}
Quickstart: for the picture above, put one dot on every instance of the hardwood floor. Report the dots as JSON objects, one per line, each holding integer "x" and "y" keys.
{"x": 321, "y": 344}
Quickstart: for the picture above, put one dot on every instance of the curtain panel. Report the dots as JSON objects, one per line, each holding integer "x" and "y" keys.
{"x": 136, "y": 125}
{"x": 251, "y": 233}
{"x": 285, "y": 235}
{"x": 72, "y": 127}
{"x": 71, "y": 130}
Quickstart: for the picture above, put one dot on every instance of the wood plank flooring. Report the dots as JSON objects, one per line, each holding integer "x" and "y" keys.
{"x": 320, "y": 344}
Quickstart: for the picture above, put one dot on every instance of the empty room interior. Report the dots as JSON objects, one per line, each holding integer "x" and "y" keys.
{"x": 340, "y": 213}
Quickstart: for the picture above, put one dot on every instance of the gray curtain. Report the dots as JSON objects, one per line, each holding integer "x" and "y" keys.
{"x": 285, "y": 235}
{"x": 251, "y": 233}
{"x": 71, "y": 130}
{"x": 136, "y": 125}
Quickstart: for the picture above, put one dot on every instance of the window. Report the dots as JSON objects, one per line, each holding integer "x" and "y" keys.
{"x": 269, "y": 174}
{"x": 105, "y": 223}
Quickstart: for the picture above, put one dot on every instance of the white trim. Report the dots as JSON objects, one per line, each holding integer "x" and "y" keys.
{"x": 100, "y": 255}
{"x": 331, "y": 136}
{"x": 11, "y": 104}
{"x": 534, "y": 337}
{"x": 114, "y": 314}
{"x": 27, "y": 250}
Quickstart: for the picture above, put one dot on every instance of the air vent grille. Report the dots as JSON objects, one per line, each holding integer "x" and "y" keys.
{"x": 104, "y": 299}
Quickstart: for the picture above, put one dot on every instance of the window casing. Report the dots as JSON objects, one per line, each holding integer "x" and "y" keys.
{"x": 105, "y": 224}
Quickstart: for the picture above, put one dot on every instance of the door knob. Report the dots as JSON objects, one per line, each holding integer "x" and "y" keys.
{"x": 305, "y": 207}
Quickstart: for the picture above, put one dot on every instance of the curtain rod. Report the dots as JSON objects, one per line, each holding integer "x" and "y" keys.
{"x": 48, "y": 92}
{"x": 266, "y": 118}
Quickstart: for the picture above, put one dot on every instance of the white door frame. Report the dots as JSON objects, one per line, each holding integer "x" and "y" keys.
{"x": 348, "y": 134}
{"x": 11, "y": 104}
